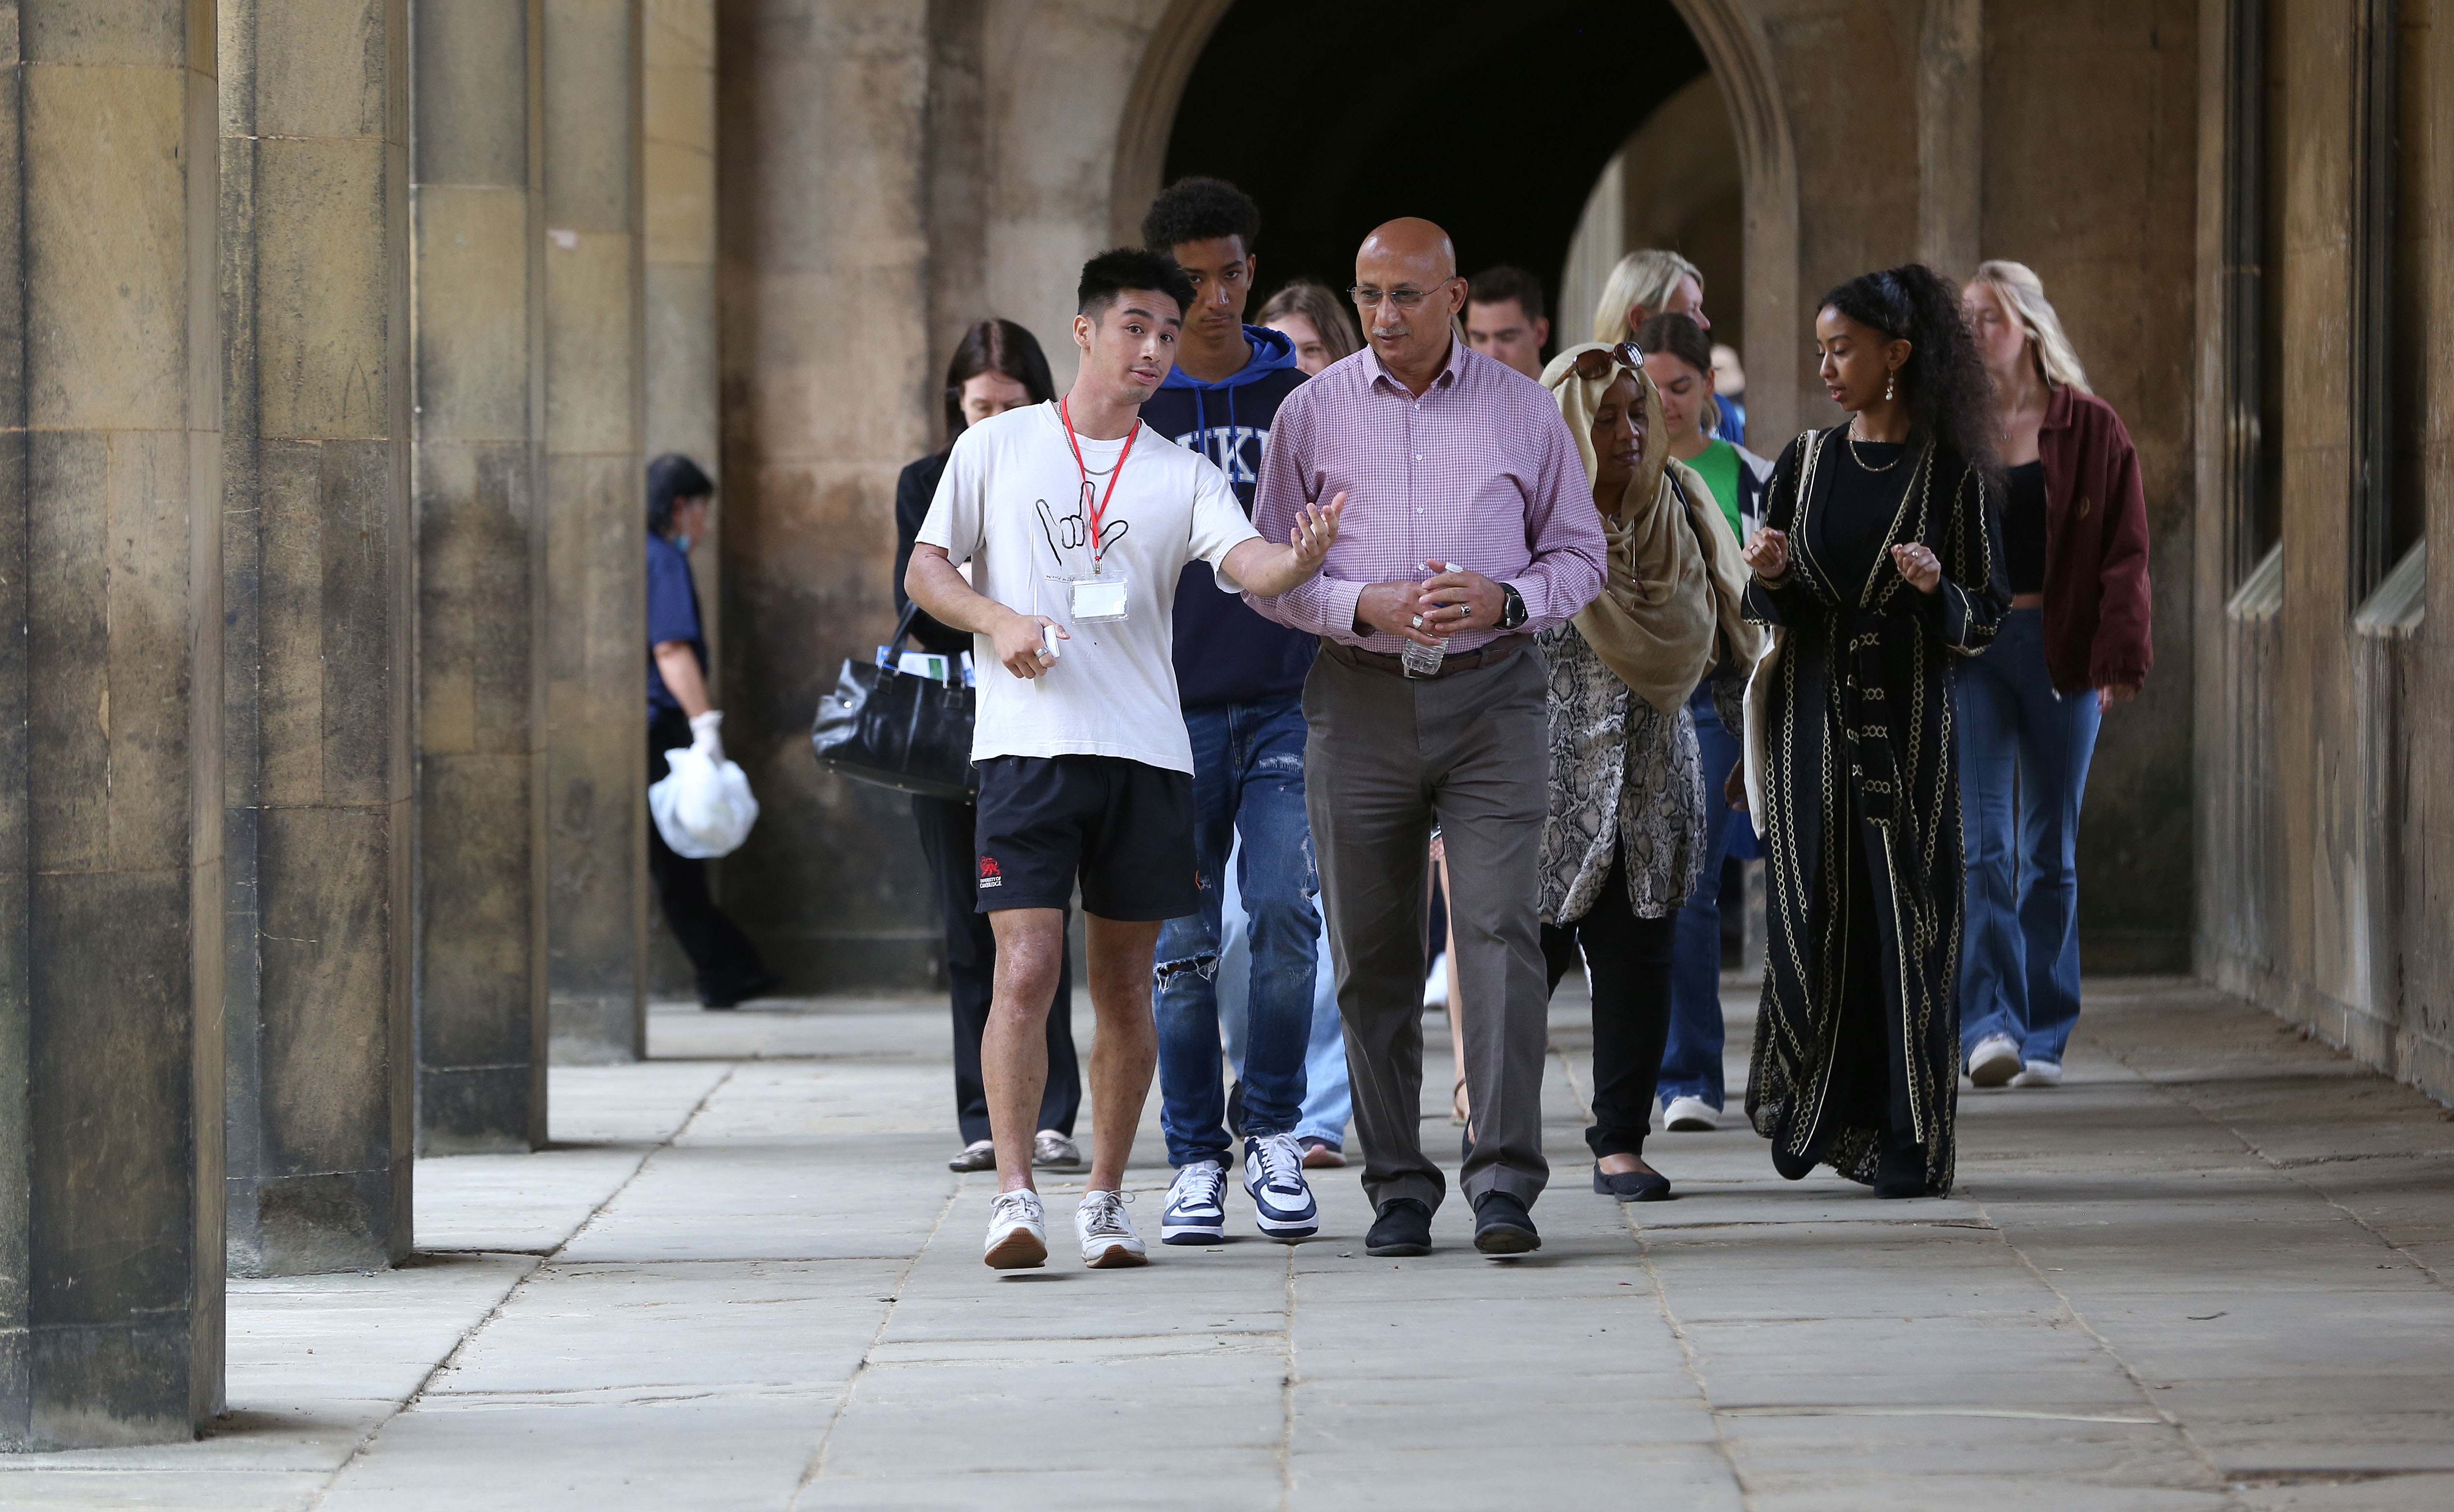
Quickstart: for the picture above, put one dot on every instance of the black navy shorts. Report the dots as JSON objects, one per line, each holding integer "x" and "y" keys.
{"x": 1124, "y": 827}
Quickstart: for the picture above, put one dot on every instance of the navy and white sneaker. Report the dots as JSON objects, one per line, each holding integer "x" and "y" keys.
{"x": 1282, "y": 1203}
{"x": 1196, "y": 1205}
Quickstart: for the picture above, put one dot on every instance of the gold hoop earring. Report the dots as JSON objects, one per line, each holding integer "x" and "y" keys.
{"x": 1891, "y": 387}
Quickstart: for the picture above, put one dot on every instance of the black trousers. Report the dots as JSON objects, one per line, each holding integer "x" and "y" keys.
{"x": 727, "y": 963}
{"x": 946, "y": 831}
{"x": 1627, "y": 962}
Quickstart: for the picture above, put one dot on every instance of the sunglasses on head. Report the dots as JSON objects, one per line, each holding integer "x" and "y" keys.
{"x": 1597, "y": 363}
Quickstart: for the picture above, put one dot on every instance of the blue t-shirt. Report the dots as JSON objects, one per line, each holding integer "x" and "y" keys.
{"x": 673, "y": 615}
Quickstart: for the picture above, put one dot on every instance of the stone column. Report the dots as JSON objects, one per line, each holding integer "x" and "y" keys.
{"x": 1951, "y": 142}
{"x": 316, "y": 580}
{"x": 595, "y": 533}
{"x": 677, "y": 108}
{"x": 826, "y": 296}
{"x": 478, "y": 224}
{"x": 111, "y": 669}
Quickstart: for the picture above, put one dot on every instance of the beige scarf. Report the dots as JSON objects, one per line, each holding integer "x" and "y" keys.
{"x": 1668, "y": 607}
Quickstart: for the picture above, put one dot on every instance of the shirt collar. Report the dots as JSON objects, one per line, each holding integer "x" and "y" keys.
{"x": 1446, "y": 378}
{"x": 2058, "y": 406}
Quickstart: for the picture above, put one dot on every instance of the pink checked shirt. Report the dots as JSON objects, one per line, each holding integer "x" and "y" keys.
{"x": 1481, "y": 472}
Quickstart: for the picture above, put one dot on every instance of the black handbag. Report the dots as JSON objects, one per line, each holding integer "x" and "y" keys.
{"x": 897, "y": 729}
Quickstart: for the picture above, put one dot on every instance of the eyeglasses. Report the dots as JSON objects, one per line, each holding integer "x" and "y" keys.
{"x": 1597, "y": 363}
{"x": 1367, "y": 297}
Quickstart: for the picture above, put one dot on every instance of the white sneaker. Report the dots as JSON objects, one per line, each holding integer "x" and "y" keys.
{"x": 2039, "y": 1074}
{"x": 1196, "y": 1205}
{"x": 1994, "y": 1061}
{"x": 1017, "y": 1232}
{"x": 1690, "y": 1115}
{"x": 1435, "y": 986}
{"x": 1108, "y": 1237}
{"x": 1274, "y": 1178}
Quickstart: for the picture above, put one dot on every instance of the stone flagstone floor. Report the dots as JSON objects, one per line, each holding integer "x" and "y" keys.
{"x": 2210, "y": 1271}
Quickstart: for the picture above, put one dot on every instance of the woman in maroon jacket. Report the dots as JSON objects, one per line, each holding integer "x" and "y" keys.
{"x": 2075, "y": 537}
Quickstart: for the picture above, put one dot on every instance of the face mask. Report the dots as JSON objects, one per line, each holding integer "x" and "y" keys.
{"x": 682, "y": 539}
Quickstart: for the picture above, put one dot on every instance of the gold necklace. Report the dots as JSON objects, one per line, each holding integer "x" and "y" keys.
{"x": 1861, "y": 461}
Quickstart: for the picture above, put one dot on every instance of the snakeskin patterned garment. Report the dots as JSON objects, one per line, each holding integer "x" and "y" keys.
{"x": 1625, "y": 779}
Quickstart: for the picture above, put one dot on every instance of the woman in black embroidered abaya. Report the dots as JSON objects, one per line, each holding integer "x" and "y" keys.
{"x": 1879, "y": 562}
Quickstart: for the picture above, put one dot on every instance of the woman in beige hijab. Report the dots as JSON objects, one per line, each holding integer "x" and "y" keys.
{"x": 1626, "y": 835}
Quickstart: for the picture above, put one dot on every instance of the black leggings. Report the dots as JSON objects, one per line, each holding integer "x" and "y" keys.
{"x": 1628, "y": 962}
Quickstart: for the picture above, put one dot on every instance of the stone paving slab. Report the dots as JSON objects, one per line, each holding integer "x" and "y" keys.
{"x": 2209, "y": 1271}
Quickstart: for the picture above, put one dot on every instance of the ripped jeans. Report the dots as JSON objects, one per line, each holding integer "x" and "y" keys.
{"x": 1247, "y": 779}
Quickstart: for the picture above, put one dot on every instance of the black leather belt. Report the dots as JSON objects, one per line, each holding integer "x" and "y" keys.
{"x": 1487, "y": 655}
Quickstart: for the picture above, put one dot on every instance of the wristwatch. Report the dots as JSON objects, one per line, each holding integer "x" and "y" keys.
{"x": 1512, "y": 608}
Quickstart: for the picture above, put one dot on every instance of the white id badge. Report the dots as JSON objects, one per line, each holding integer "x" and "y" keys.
{"x": 1096, "y": 601}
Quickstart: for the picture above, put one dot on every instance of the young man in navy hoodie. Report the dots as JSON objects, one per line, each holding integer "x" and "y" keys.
{"x": 1240, "y": 680}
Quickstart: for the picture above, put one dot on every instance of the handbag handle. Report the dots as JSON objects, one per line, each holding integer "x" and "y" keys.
{"x": 903, "y": 626}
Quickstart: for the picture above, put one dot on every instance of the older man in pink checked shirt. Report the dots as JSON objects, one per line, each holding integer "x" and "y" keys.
{"x": 1468, "y": 519}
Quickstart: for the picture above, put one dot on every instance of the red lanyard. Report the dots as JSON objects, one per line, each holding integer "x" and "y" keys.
{"x": 1098, "y": 510}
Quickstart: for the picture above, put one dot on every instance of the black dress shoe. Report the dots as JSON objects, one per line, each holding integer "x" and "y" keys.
{"x": 1404, "y": 1228}
{"x": 1632, "y": 1186}
{"x": 1501, "y": 1227}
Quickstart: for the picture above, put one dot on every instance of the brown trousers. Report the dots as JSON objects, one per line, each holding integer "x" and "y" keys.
{"x": 1389, "y": 759}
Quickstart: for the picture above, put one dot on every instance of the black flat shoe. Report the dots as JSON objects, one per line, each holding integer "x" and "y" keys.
{"x": 1404, "y": 1228}
{"x": 1632, "y": 1186}
{"x": 1901, "y": 1169}
{"x": 1501, "y": 1227}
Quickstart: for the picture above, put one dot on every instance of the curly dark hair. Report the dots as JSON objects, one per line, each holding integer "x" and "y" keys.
{"x": 1948, "y": 391}
{"x": 1197, "y": 210}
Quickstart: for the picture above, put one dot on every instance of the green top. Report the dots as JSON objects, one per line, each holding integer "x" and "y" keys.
{"x": 1719, "y": 466}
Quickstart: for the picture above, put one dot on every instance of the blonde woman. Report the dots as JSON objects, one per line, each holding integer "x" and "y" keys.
{"x": 1656, "y": 282}
{"x": 2076, "y": 642}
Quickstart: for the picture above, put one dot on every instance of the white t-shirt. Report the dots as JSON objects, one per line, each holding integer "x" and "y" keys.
{"x": 1011, "y": 503}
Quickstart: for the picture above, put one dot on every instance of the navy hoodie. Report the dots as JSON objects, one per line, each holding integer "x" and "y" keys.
{"x": 1224, "y": 652}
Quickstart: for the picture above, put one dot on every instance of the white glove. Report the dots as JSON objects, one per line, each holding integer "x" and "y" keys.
{"x": 704, "y": 738}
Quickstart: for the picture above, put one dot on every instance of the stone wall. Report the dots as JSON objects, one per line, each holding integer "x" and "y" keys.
{"x": 2323, "y": 725}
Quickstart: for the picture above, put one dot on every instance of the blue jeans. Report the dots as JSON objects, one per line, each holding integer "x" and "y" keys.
{"x": 2019, "y": 971}
{"x": 1328, "y": 1101}
{"x": 1248, "y": 782}
{"x": 1691, "y": 1064}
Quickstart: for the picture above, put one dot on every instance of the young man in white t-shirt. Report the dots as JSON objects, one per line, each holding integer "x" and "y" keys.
{"x": 1078, "y": 522}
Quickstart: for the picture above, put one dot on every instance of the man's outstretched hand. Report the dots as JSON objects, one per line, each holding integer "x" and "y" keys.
{"x": 1315, "y": 533}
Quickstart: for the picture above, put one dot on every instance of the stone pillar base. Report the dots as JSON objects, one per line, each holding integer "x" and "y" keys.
{"x": 596, "y": 1031}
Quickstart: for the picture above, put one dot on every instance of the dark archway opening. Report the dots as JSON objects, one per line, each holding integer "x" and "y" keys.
{"x": 1494, "y": 121}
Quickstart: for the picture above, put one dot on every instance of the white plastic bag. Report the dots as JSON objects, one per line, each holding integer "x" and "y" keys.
{"x": 702, "y": 807}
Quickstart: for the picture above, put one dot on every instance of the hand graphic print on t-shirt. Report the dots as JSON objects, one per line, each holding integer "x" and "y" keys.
{"x": 1067, "y": 532}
